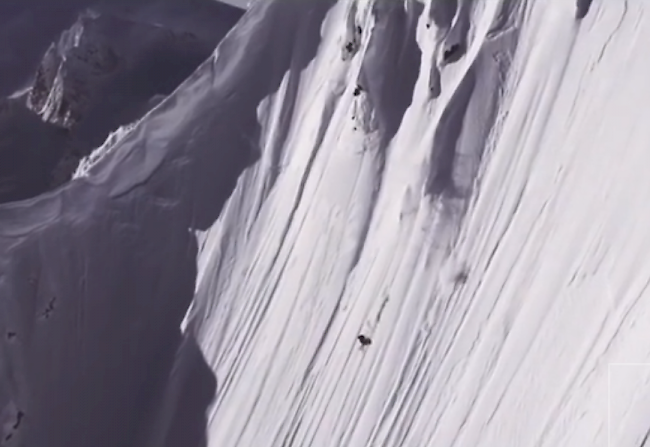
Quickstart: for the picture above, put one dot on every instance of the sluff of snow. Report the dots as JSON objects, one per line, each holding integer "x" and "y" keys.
{"x": 332, "y": 175}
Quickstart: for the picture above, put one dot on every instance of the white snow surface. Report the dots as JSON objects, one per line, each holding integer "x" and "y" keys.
{"x": 493, "y": 241}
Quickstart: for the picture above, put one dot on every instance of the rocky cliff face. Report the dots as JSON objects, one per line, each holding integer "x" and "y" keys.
{"x": 102, "y": 57}
{"x": 72, "y": 71}
{"x": 108, "y": 69}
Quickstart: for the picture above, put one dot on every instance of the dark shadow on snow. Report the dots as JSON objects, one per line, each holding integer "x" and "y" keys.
{"x": 446, "y": 137}
{"x": 456, "y": 40}
{"x": 29, "y": 151}
{"x": 582, "y": 8}
{"x": 391, "y": 64}
{"x": 469, "y": 117}
{"x": 389, "y": 71}
{"x": 442, "y": 13}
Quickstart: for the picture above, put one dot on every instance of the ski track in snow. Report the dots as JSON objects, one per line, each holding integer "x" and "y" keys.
{"x": 493, "y": 247}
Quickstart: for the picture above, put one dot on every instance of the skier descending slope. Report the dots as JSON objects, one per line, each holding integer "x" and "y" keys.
{"x": 364, "y": 341}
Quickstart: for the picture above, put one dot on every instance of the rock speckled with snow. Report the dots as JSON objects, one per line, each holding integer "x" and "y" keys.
{"x": 88, "y": 58}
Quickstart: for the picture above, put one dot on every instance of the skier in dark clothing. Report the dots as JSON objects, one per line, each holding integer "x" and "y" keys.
{"x": 365, "y": 341}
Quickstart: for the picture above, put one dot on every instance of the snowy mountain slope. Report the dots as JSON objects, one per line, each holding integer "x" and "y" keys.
{"x": 356, "y": 237}
{"x": 462, "y": 182}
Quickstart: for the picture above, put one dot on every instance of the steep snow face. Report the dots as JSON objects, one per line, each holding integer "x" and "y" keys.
{"x": 464, "y": 184}
{"x": 461, "y": 182}
{"x": 370, "y": 182}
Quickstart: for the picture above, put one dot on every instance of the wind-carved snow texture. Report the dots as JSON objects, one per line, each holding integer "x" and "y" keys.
{"x": 455, "y": 42}
{"x": 391, "y": 63}
{"x": 284, "y": 316}
{"x": 451, "y": 23}
{"x": 488, "y": 241}
{"x": 285, "y": 291}
{"x": 455, "y": 162}
{"x": 447, "y": 134}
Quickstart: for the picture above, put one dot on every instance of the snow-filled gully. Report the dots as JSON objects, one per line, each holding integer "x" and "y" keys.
{"x": 461, "y": 182}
